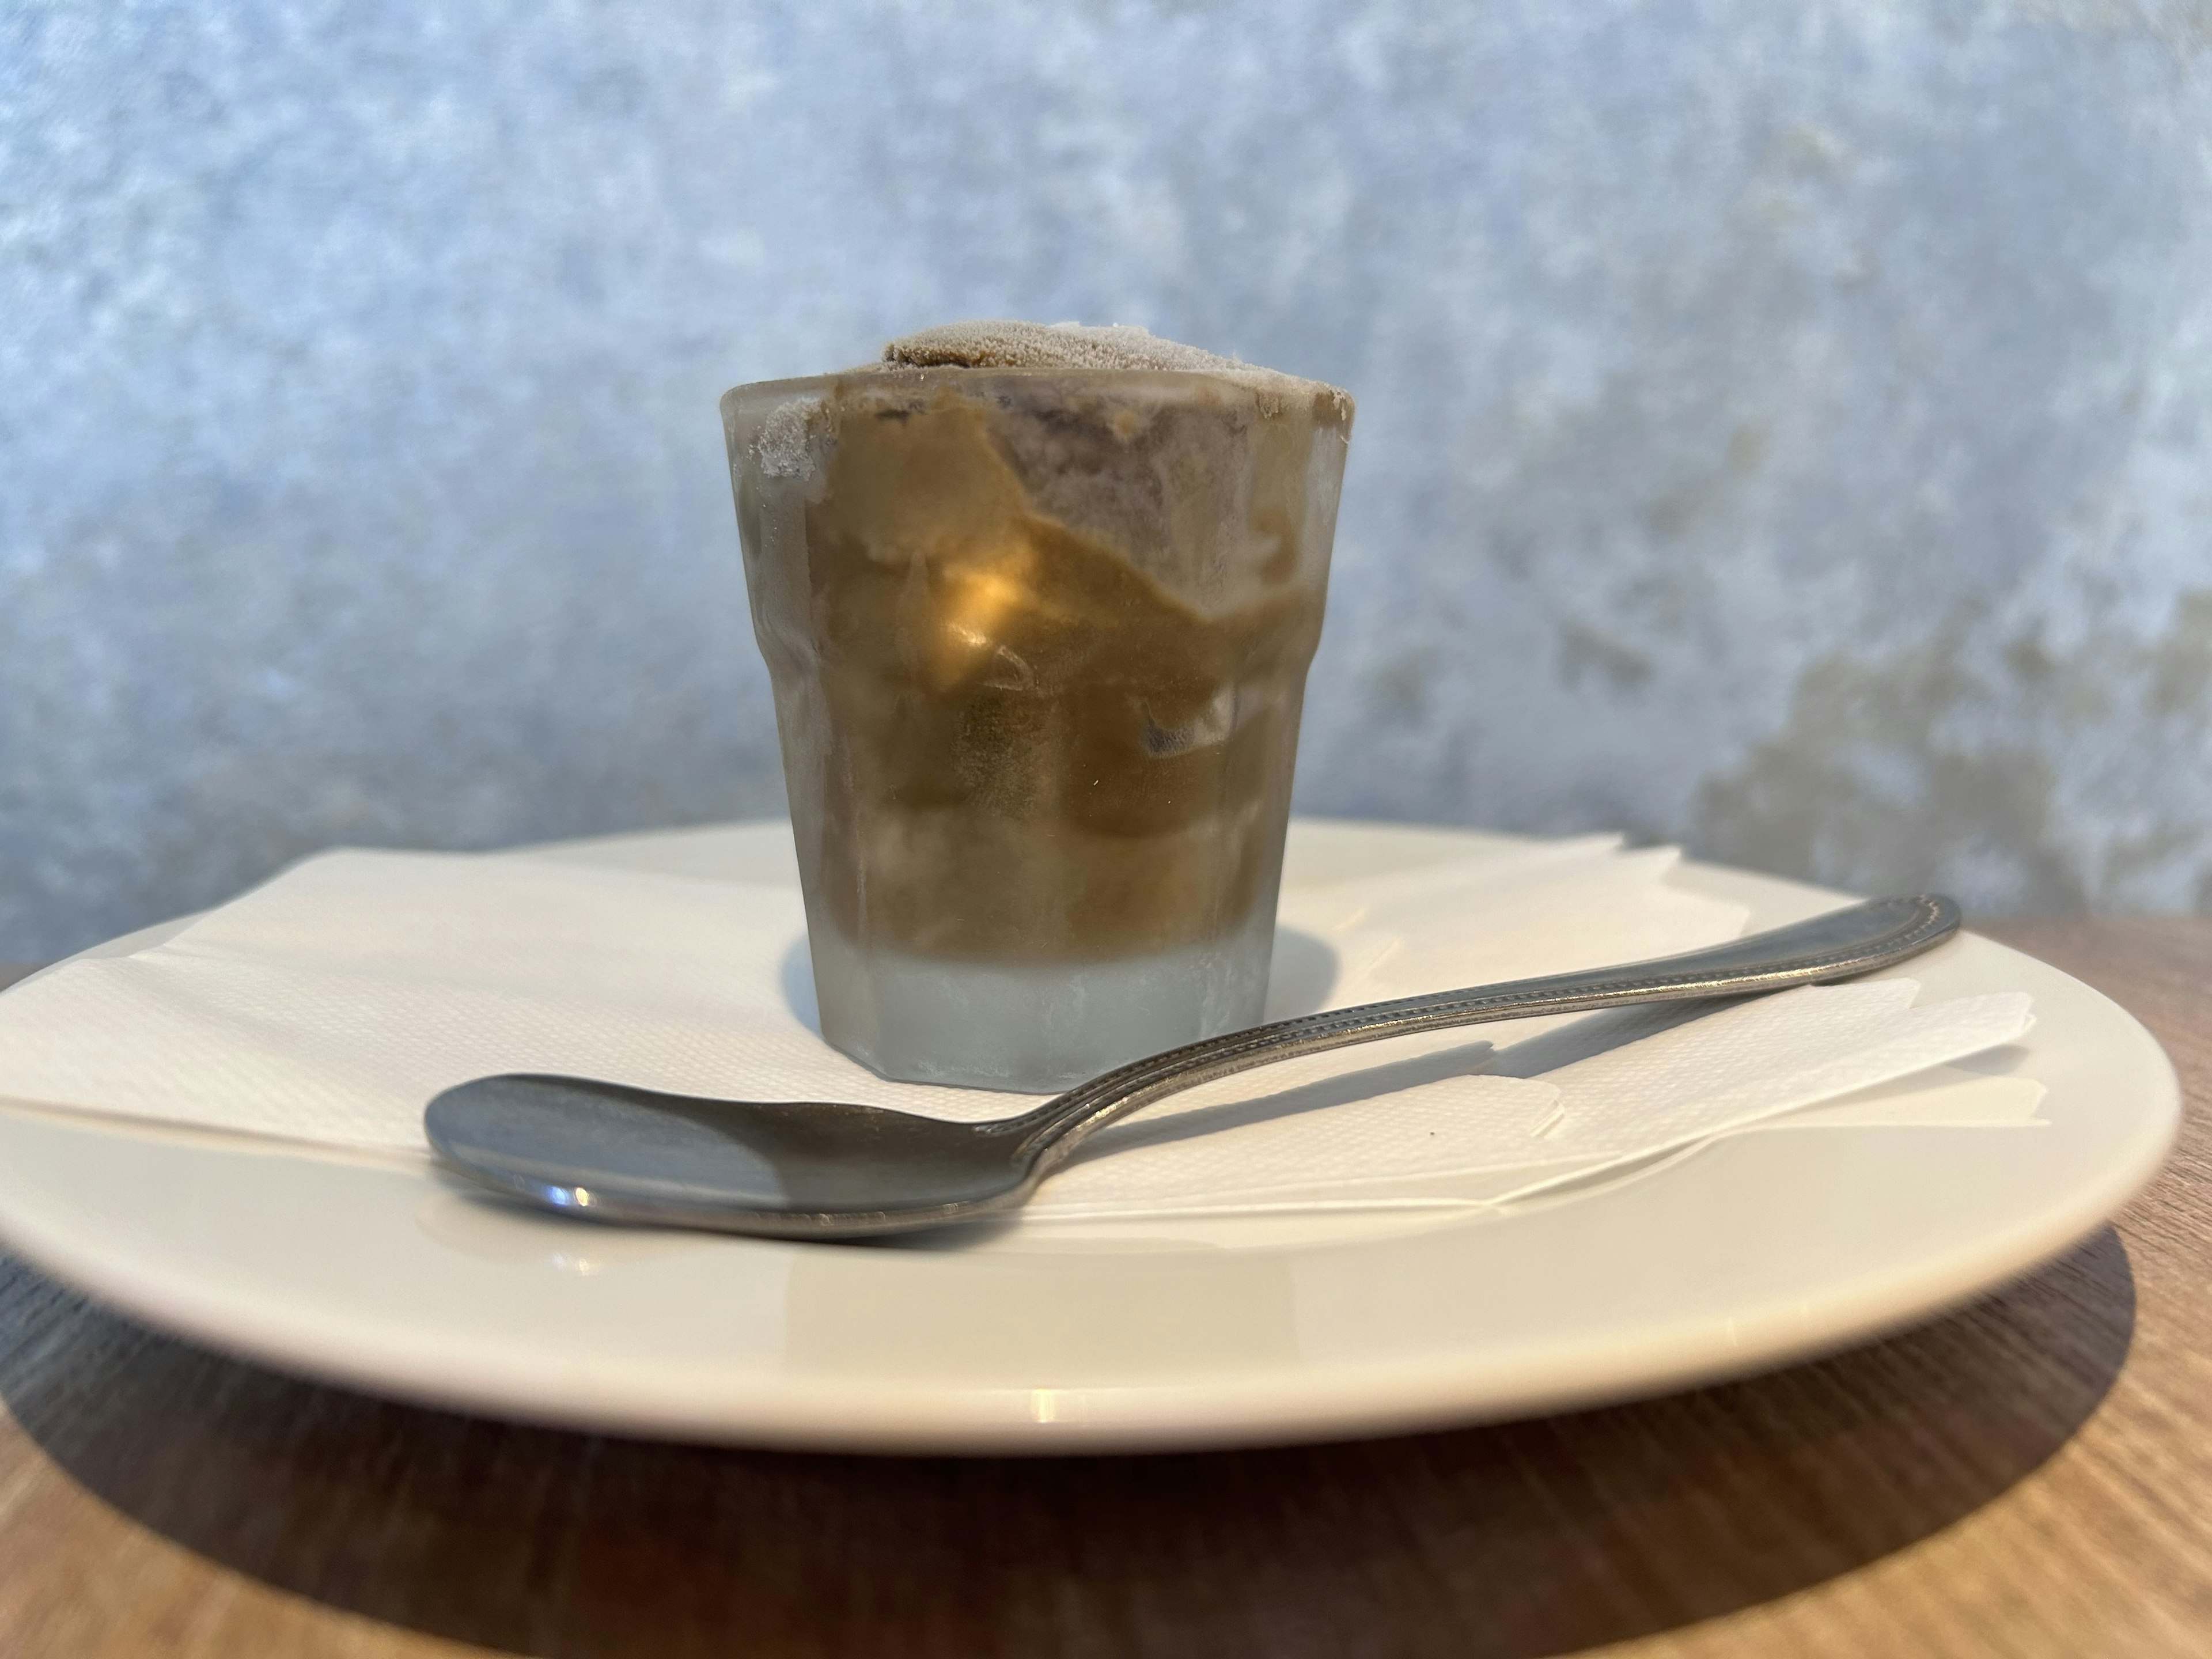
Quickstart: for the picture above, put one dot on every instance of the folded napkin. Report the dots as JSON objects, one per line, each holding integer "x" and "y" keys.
{"x": 331, "y": 1003}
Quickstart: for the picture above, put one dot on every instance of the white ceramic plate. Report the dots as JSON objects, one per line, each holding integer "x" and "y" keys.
{"x": 1762, "y": 1249}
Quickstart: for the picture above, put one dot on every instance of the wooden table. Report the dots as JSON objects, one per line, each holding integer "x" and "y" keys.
{"x": 2031, "y": 1476}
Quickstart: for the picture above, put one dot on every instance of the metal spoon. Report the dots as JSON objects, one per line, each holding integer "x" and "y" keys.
{"x": 827, "y": 1170}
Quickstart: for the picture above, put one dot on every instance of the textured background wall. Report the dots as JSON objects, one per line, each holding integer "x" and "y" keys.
{"x": 1784, "y": 428}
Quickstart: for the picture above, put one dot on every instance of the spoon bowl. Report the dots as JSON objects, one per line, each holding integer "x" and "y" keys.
{"x": 615, "y": 1152}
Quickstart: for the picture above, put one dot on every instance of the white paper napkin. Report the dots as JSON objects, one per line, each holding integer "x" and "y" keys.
{"x": 331, "y": 1003}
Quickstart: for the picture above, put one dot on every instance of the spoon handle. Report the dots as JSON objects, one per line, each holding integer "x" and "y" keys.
{"x": 1842, "y": 942}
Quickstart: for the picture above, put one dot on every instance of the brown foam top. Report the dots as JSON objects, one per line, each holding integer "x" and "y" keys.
{"x": 1005, "y": 344}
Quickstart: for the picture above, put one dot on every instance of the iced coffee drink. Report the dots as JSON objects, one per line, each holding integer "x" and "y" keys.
{"x": 1038, "y": 604}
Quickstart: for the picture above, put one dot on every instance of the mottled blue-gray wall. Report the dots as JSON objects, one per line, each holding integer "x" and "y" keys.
{"x": 1787, "y": 428}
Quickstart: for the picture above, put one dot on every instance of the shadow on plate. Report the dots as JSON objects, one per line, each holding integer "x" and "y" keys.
{"x": 1527, "y": 1057}
{"x": 1527, "y": 1538}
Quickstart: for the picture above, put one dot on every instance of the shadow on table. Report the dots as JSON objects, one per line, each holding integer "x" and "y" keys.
{"x": 1534, "y": 1538}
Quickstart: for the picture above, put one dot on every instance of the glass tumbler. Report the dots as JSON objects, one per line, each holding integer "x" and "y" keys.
{"x": 1038, "y": 639}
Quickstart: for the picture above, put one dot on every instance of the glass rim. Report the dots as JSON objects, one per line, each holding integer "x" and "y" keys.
{"x": 1184, "y": 379}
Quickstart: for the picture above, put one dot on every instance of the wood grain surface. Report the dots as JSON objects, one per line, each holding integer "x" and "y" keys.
{"x": 2033, "y": 1476}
